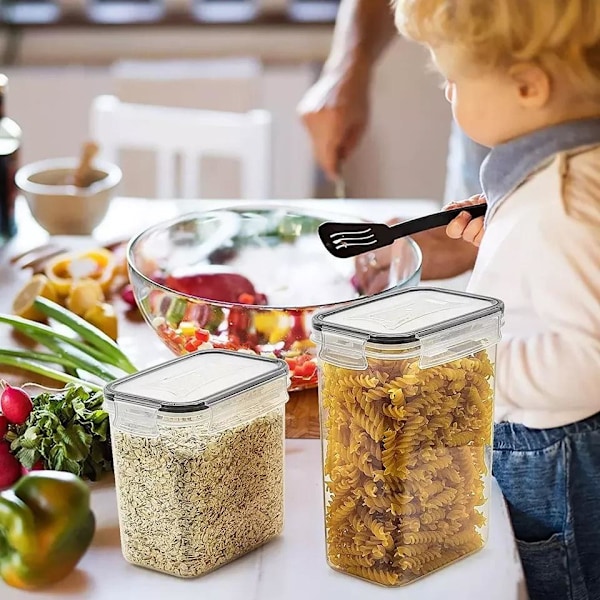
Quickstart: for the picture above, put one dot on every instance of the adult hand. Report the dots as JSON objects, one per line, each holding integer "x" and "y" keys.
{"x": 335, "y": 111}
{"x": 443, "y": 258}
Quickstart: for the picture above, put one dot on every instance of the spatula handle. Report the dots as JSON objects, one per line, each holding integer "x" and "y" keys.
{"x": 439, "y": 219}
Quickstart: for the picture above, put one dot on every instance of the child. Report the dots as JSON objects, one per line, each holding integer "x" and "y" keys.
{"x": 523, "y": 77}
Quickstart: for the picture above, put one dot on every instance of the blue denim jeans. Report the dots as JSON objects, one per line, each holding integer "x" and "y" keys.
{"x": 462, "y": 170}
{"x": 551, "y": 481}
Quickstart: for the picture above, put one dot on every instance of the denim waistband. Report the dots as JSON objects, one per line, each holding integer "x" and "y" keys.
{"x": 513, "y": 436}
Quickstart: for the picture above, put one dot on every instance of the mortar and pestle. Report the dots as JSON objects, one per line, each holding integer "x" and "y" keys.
{"x": 69, "y": 196}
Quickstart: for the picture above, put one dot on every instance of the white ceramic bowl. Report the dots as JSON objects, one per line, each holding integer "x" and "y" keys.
{"x": 66, "y": 209}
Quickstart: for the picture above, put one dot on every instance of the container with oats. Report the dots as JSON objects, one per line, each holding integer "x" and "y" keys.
{"x": 198, "y": 448}
{"x": 406, "y": 388}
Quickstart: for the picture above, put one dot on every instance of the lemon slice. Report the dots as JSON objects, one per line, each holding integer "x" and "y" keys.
{"x": 38, "y": 285}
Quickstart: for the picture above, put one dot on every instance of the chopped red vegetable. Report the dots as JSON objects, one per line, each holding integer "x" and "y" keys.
{"x": 202, "y": 335}
{"x": 189, "y": 336}
{"x": 246, "y": 298}
{"x": 220, "y": 285}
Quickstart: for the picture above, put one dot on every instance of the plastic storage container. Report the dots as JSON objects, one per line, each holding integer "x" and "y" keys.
{"x": 198, "y": 449}
{"x": 406, "y": 388}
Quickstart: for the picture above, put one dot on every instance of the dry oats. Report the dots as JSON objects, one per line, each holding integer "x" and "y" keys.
{"x": 190, "y": 502}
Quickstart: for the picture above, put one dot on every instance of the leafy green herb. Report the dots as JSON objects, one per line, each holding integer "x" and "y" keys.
{"x": 68, "y": 430}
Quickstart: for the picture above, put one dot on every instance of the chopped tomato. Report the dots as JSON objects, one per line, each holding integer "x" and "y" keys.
{"x": 292, "y": 363}
{"x": 202, "y": 335}
{"x": 192, "y": 345}
{"x": 307, "y": 369}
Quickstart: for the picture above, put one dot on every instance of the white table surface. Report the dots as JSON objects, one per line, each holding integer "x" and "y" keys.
{"x": 292, "y": 567}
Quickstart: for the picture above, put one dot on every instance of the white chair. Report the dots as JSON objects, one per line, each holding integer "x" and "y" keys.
{"x": 190, "y": 134}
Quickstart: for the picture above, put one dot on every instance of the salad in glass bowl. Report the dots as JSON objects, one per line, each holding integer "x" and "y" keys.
{"x": 248, "y": 278}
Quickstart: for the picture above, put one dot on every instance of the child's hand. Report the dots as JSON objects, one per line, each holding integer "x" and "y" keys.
{"x": 465, "y": 226}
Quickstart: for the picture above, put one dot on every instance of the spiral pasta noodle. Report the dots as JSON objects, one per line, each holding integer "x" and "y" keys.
{"x": 405, "y": 465}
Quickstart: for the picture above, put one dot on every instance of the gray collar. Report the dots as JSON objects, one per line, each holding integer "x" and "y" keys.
{"x": 508, "y": 165}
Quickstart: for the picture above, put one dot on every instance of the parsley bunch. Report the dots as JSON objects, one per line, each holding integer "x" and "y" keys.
{"x": 68, "y": 431}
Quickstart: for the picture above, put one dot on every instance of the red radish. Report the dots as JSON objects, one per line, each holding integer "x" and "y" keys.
{"x": 16, "y": 404}
{"x": 127, "y": 295}
{"x": 3, "y": 426}
{"x": 10, "y": 468}
{"x": 38, "y": 466}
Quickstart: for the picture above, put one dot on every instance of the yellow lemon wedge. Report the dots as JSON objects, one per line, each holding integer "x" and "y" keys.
{"x": 83, "y": 295}
{"x": 38, "y": 285}
{"x": 103, "y": 316}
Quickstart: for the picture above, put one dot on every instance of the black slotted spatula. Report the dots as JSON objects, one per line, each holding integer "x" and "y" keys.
{"x": 346, "y": 240}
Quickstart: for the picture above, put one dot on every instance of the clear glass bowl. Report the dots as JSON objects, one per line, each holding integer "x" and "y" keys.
{"x": 248, "y": 278}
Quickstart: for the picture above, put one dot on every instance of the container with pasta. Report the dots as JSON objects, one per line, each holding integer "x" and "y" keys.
{"x": 406, "y": 391}
{"x": 198, "y": 448}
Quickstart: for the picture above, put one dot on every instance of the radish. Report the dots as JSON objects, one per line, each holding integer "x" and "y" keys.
{"x": 127, "y": 295}
{"x": 3, "y": 427}
{"x": 16, "y": 404}
{"x": 10, "y": 468}
{"x": 38, "y": 466}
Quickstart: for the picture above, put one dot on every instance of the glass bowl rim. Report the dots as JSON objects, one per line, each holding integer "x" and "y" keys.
{"x": 326, "y": 215}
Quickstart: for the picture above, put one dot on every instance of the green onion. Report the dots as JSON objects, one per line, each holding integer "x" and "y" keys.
{"x": 98, "y": 339}
{"x": 70, "y": 371}
{"x": 39, "y": 356}
{"x": 27, "y": 365}
{"x": 42, "y": 333}
{"x": 70, "y": 365}
{"x": 77, "y": 359}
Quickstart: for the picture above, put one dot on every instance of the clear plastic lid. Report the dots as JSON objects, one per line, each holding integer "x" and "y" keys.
{"x": 190, "y": 384}
{"x": 439, "y": 324}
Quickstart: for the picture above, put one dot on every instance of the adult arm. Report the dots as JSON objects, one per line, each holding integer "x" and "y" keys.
{"x": 335, "y": 110}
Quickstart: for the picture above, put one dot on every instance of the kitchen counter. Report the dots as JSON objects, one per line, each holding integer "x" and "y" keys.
{"x": 290, "y": 567}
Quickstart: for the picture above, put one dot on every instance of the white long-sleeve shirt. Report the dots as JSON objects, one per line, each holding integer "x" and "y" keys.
{"x": 540, "y": 255}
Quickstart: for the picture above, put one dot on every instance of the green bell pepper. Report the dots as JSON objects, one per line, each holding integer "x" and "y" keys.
{"x": 46, "y": 526}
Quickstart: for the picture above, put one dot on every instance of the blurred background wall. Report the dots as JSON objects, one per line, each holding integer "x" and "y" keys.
{"x": 60, "y": 54}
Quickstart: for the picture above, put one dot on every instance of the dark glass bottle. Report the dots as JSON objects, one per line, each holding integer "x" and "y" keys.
{"x": 10, "y": 142}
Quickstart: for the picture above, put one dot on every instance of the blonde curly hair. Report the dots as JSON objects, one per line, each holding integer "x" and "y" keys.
{"x": 559, "y": 35}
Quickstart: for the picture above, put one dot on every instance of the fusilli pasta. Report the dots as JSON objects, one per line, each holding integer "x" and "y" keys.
{"x": 405, "y": 465}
